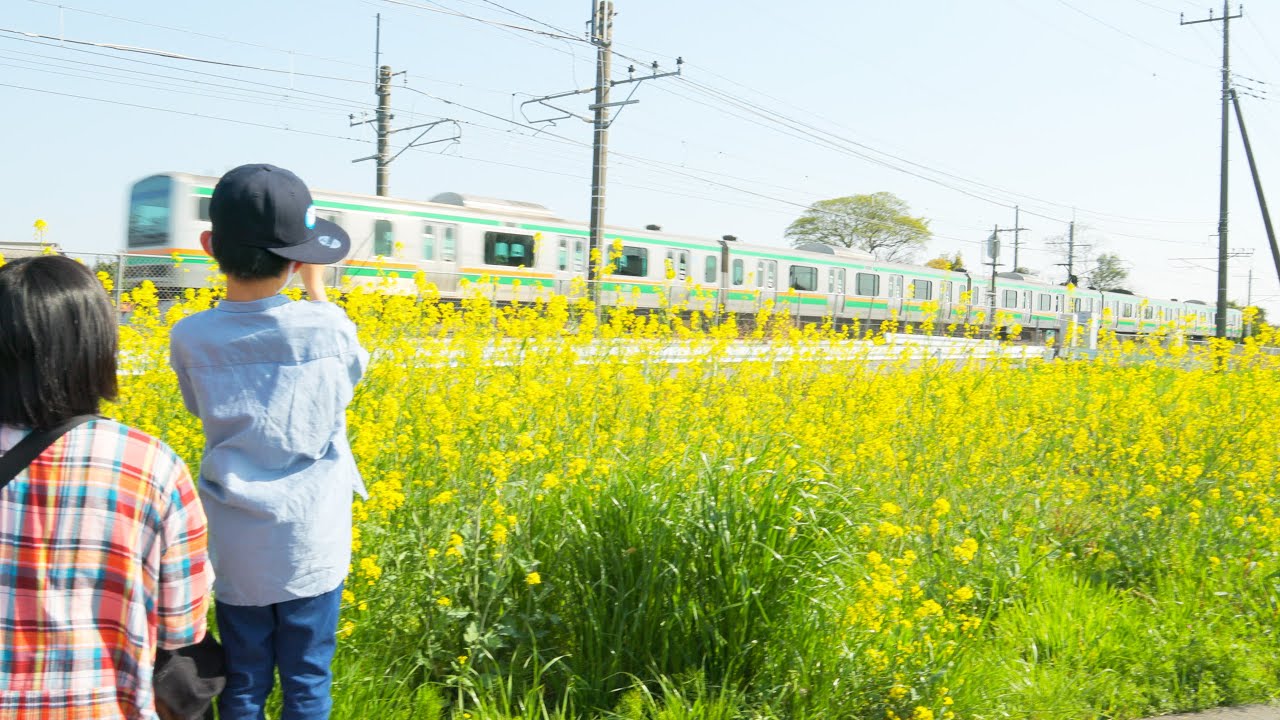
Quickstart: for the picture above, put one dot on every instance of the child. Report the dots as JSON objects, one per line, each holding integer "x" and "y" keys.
{"x": 271, "y": 380}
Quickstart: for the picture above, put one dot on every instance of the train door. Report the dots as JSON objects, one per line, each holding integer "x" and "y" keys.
{"x": 836, "y": 279}
{"x": 437, "y": 255}
{"x": 570, "y": 263}
{"x": 676, "y": 274}
{"x": 708, "y": 284}
{"x": 895, "y": 295}
{"x": 767, "y": 279}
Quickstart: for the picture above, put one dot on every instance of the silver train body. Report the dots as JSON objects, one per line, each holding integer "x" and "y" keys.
{"x": 517, "y": 251}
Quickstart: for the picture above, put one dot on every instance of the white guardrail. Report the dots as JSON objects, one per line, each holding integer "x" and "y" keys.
{"x": 896, "y": 347}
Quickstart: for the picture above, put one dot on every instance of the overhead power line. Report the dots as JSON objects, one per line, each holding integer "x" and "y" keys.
{"x": 172, "y": 111}
{"x": 442, "y": 10}
{"x": 196, "y": 33}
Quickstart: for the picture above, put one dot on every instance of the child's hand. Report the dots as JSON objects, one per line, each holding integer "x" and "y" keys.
{"x": 313, "y": 280}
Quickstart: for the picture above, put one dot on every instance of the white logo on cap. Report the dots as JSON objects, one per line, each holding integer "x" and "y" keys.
{"x": 332, "y": 243}
{"x": 310, "y": 218}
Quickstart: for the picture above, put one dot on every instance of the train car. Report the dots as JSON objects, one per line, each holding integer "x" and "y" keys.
{"x": 517, "y": 250}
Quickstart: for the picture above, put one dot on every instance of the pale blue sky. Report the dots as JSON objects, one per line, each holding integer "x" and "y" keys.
{"x": 1105, "y": 105}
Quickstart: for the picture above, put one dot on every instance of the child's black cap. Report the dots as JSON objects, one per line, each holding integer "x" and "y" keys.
{"x": 268, "y": 207}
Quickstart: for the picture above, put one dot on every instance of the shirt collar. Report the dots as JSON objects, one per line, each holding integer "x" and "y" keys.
{"x": 264, "y": 304}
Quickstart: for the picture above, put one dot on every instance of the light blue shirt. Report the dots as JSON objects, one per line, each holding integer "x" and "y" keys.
{"x": 271, "y": 380}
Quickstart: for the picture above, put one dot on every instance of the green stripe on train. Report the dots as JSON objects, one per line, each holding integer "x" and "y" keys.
{"x": 708, "y": 246}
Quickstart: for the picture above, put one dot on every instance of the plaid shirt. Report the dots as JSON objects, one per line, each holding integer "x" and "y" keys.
{"x": 102, "y": 559}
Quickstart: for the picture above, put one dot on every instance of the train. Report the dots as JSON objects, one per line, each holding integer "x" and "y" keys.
{"x": 519, "y": 250}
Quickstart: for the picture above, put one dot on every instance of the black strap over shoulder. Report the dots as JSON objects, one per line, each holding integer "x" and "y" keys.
{"x": 30, "y": 447}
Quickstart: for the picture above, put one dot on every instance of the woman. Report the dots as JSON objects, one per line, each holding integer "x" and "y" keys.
{"x": 102, "y": 539}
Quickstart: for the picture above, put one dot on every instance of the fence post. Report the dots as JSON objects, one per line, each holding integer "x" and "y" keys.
{"x": 119, "y": 278}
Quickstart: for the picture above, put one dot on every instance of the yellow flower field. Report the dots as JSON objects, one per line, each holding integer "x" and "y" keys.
{"x": 794, "y": 536}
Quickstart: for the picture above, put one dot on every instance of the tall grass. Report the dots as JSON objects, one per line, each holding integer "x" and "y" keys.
{"x": 790, "y": 537}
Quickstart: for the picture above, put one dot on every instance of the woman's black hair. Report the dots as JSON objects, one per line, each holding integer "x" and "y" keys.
{"x": 245, "y": 262}
{"x": 58, "y": 339}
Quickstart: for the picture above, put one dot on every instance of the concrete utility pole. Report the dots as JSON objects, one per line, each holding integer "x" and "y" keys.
{"x": 382, "y": 122}
{"x": 384, "y": 129}
{"x": 993, "y": 251}
{"x": 1017, "y": 232}
{"x": 1227, "y": 17}
{"x": 601, "y": 35}
{"x": 1071, "y": 250}
{"x": 1070, "y": 264}
{"x": 602, "y": 38}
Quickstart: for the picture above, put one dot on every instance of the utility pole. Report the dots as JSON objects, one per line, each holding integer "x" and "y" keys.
{"x": 993, "y": 250}
{"x": 1071, "y": 250}
{"x": 384, "y": 129}
{"x": 383, "y": 117}
{"x": 602, "y": 38}
{"x": 1227, "y": 17}
{"x": 600, "y": 35}
{"x": 1017, "y": 230}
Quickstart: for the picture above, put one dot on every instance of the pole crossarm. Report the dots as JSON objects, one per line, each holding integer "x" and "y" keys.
{"x": 383, "y": 130}
{"x": 428, "y": 127}
{"x": 546, "y": 100}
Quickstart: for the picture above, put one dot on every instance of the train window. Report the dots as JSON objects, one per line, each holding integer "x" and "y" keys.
{"x": 448, "y": 244}
{"x": 803, "y": 278}
{"x": 428, "y": 241}
{"x": 922, "y": 289}
{"x": 945, "y": 291}
{"x": 562, "y": 254}
{"x": 632, "y": 262}
{"x": 769, "y": 273}
{"x": 895, "y": 286}
{"x": 1010, "y": 299}
{"x": 508, "y": 249}
{"x": 867, "y": 284}
{"x": 1026, "y": 300}
{"x": 149, "y": 212}
{"x": 1148, "y": 313}
{"x": 384, "y": 238}
{"x": 739, "y": 272}
{"x": 202, "y": 208}
{"x": 759, "y": 273}
{"x": 1128, "y": 310}
{"x": 579, "y": 255}
{"x": 1057, "y": 303}
{"x": 1045, "y": 302}
{"x": 709, "y": 269}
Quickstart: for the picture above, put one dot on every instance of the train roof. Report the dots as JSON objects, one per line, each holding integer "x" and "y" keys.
{"x": 837, "y": 251}
{"x": 481, "y": 203}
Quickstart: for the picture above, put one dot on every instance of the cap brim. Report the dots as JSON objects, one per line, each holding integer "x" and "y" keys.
{"x": 327, "y": 244}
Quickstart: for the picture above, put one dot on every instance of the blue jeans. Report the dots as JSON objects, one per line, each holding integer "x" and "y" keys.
{"x": 298, "y": 637}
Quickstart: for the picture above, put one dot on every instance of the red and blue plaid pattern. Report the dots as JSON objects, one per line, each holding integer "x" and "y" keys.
{"x": 102, "y": 559}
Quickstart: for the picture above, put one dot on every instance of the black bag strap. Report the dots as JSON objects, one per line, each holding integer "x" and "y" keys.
{"x": 30, "y": 447}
